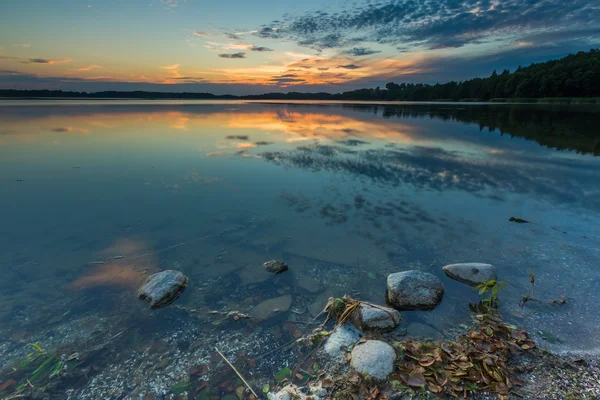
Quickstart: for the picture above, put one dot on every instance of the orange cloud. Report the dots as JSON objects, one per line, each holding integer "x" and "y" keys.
{"x": 88, "y": 68}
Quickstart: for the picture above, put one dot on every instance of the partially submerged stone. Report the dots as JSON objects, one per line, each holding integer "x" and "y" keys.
{"x": 471, "y": 273}
{"x": 376, "y": 317}
{"x": 340, "y": 341}
{"x": 374, "y": 358}
{"x": 275, "y": 266}
{"x": 414, "y": 290}
{"x": 270, "y": 307}
{"x": 163, "y": 288}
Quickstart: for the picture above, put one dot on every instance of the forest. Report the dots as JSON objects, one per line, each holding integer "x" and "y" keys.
{"x": 571, "y": 77}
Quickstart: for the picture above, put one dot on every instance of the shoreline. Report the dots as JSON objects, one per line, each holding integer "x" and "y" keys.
{"x": 520, "y": 101}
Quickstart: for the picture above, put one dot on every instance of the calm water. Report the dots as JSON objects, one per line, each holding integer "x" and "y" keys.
{"x": 95, "y": 196}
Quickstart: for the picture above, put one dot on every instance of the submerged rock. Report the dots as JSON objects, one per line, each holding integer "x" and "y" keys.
{"x": 414, "y": 290}
{"x": 306, "y": 282}
{"x": 270, "y": 307}
{"x": 316, "y": 307}
{"x": 418, "y": 330}
{"x": 518, "y": 220}
{"x": 163, "y": 288}
{"x": 374, "y": 358}
{"x": 341, "y": 340}
{"x": 379, "y": 317}
{"x": 275, "y": 266}
{"x": 471, "y": 273}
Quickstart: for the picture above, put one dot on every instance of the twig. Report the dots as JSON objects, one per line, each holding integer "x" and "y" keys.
{"x": 236, "y": 371}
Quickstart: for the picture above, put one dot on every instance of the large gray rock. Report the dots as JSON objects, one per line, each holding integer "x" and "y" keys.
{"x": 163, "y": 288}
{"x": 340, "y": 341}
{"x": 379, "y": 317}
{"x": 471, "y": 273}
{"x": 414, "y": 290}
{"x": 374, "y": 358}
{"x": 270, "y": 307}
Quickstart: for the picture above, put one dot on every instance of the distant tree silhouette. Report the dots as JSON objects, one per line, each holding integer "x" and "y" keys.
{"x": 576, "y": 75}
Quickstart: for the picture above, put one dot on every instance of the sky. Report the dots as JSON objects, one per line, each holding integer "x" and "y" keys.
{"x": 257, "y": 46}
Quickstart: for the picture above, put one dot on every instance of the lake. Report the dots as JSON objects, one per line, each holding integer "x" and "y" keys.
{"x": 97, "y": 195}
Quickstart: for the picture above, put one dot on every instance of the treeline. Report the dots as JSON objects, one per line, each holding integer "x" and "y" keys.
{"x": 574, "y": 76}
{"x": 110, "y": 94}
{"x": 556, "y": 127}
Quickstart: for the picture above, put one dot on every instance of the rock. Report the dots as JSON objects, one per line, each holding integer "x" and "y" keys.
{"x": 270, "y": 307}
{"x": 374, "y": 358}
{"x": 320, "y": 302}
{"x": 414, "y": 290}
{"x": 471, "y": 273}
{"x": 275, "y": 266}
{"x": 253, "y": 274}
{"x": 281, "y": 395}
{"x": 292, "y": 392}
{"x": 418, "y": 330}
{"x": 369, "y": 317}
{"x": 306, "y": 282}
{"x": 343, "y": 338}
{"x": 518, "y": 220}
{"x": 163, "y": 288}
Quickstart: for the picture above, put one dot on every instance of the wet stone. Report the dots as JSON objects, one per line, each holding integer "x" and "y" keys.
{"x": 414, "y": 290}
{"x": 275, "y": 266}
{"x": 270, "y": 307}
{"x": 341, "y": 340}
{"x": 374, "y": 358}
{"x": 471, "y": 273}
{"x": 379, "y": 317}
{"x": 163, "y": 288}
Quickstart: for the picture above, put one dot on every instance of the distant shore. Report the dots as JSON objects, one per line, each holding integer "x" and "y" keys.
{"x": 544, "y": 100}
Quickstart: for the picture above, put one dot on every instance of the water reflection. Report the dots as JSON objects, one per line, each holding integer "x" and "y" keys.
{"x": 98, "y": 196}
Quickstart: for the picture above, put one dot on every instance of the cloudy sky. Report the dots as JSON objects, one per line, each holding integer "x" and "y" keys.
{"x": 256, "y": 46}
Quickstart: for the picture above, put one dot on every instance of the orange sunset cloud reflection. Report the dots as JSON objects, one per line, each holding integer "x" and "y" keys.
{"x": 119, "y": 265}
{"x": 299, "y": 126}
{"x": 210, "y": 127}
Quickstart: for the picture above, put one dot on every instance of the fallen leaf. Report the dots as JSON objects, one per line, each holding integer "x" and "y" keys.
{"x": 7, "y": 385}
{"x": 416, "y": 380}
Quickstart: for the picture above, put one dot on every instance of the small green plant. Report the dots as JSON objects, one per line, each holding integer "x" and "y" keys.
{"x": 492, "y": 287}
{"x": 531, "y": 297}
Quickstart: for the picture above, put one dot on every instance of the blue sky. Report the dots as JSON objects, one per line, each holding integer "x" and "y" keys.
{"x": 255, "y": 46}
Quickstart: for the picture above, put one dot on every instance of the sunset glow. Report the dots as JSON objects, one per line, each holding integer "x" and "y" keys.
{"x": 242, "y": 47}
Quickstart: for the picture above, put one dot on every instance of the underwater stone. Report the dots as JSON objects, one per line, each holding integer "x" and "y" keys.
{"x": 374, "y": 358}
{"x": 270, "y": 307}
{"x": 370, "y": 317}
{"x": 343, "y": 338}
{"x": 418, "y": 330}
{"x": 163, "y": 288}
{"x": 276, "y": 266}
{"x": 471, "y": 273}
{"x": 414, "y": 290}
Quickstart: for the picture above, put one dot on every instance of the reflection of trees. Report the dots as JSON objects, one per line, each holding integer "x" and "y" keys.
{"x": 559, "y": 127}
{"x": 438, "y": 169}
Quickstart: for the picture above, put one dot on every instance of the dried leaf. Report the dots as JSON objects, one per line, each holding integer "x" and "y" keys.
{"x": 7, "y": 385}
{"x": 327, "y": 383}
{"x": 416, "y": 380}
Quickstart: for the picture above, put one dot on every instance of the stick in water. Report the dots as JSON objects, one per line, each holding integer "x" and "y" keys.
{"x": 236, "y": 371}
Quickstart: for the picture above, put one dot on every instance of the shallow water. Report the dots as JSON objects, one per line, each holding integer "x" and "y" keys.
{"x": 96, "y": 196}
